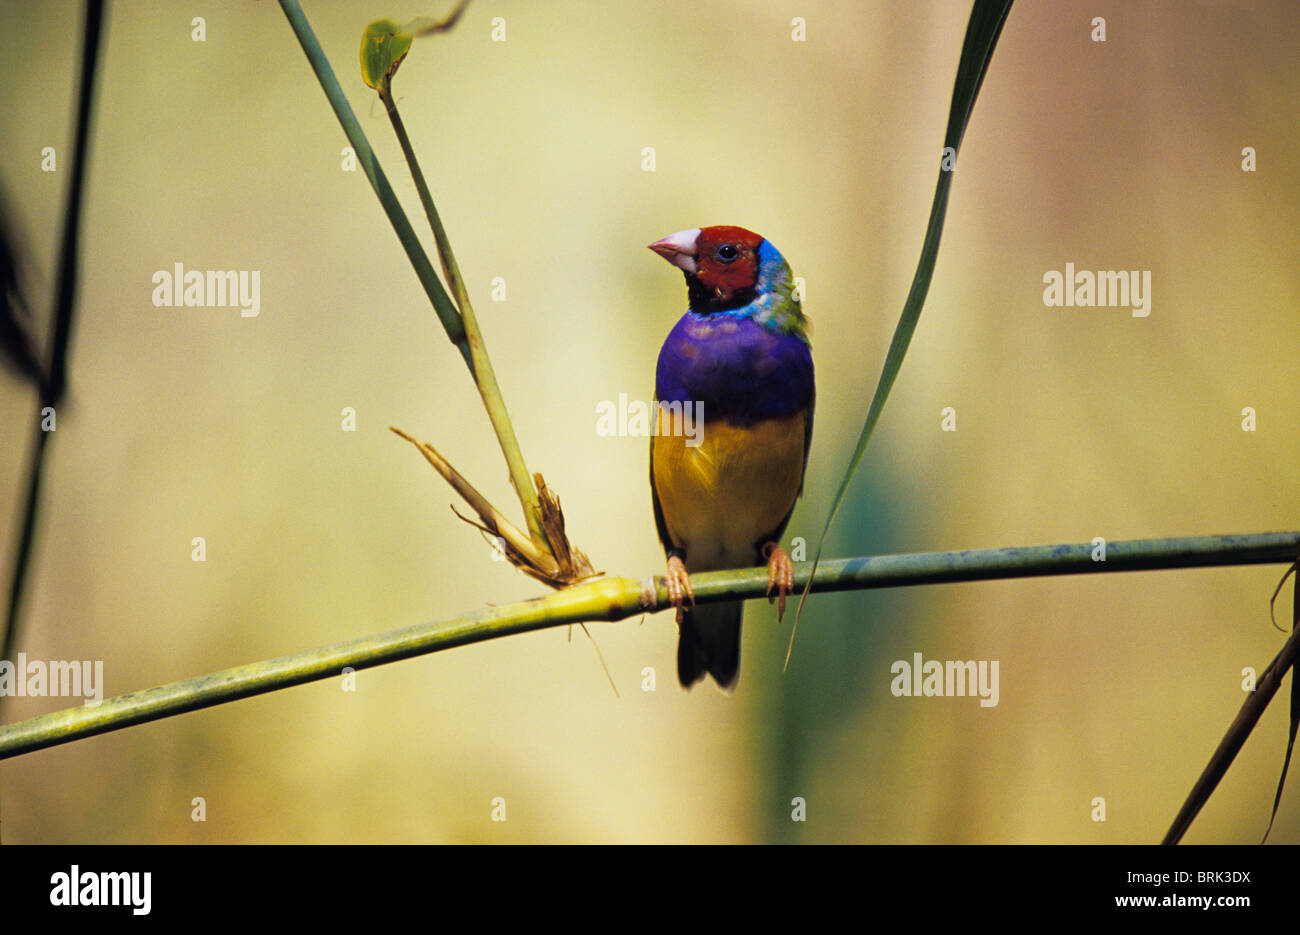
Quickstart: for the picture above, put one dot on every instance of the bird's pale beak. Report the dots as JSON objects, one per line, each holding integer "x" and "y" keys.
{"x": 678, "y": 249}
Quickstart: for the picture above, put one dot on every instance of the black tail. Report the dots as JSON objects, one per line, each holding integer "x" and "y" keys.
{"x": 710, "y": 642}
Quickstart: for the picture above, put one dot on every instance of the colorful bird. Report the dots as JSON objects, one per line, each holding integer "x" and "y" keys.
{"x": 737, "y": 369}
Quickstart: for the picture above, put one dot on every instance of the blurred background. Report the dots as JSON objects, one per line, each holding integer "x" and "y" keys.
{"x": 1071, "y": 422}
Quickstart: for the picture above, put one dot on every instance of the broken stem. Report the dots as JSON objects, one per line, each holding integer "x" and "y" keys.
{"x": 484, "y": 376}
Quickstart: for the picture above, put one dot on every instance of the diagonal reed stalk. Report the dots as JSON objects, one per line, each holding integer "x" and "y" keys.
{"x": 982, "y": 31}
{"x": 614, "y": 599}
{"x": 64, "y": 305}
{"x": 484, "y": 376}
{"x": 1252, "y": 709}
{"x": 458, "y": 319}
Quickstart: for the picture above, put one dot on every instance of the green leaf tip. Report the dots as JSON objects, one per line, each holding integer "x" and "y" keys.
{"x": 383, "y": 46}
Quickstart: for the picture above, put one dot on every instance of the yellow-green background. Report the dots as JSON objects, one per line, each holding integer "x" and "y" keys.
{"x": 1072, "y": 423}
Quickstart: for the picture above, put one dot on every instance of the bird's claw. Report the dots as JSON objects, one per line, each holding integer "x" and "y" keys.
{"x": 780, "y": 575}
{"x": 679, "y": 586}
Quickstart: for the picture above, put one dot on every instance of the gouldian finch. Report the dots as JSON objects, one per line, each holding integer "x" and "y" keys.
{"x": 737, "y": 369}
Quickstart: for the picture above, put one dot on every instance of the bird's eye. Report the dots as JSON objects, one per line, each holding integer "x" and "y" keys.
{"x": 728, "y": 252}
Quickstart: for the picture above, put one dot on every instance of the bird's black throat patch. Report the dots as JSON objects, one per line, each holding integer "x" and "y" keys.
{"x": 704, "y": 301}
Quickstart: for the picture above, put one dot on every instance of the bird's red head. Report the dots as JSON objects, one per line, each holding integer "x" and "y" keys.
{"x": 722, "y": 259}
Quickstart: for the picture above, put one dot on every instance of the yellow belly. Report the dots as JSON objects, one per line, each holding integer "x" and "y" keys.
{"x": 721, "y": 497}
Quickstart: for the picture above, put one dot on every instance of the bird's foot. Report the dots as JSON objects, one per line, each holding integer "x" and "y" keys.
{"x": 780, "y": 575}
{"x": 679, "y": 587}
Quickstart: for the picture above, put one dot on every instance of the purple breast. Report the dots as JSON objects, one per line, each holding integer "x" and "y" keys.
{"x": 739, "y": 370}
